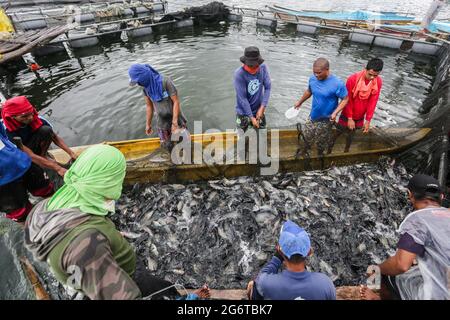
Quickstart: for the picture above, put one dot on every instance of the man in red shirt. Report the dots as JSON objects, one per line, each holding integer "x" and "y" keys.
{"x": 364, "y": 89}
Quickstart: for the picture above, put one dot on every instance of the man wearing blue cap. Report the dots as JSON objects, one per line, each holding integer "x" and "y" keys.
{"x": 295, "y": 282}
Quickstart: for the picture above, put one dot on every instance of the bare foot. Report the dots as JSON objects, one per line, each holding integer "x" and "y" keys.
{"x": 250, "y": 290}
{"x": 203, "y": 292}
{"x": 367, "y": 294}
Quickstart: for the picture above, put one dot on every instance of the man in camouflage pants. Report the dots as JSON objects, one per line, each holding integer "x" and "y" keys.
{"x": 72, "y": 232}
{"x": 326, "y": 90}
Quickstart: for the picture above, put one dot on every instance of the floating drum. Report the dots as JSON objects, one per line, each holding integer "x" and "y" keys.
{"x": 140, "y": 32}
{"x": 266, "y": 22}
{"x": 127, "y": 13}
{"x": 81, "y": 40}
{"x": 109, "y": 28}
{"x": 425, "y": 48}
{"x": 32, "y": 24}
{"x": 158, "y": 7}
{"x": 142, "y": 11}
{"x": 388, "y": 42}
{"x": 84, "y": 18}
{"x": 235, "y": 17}
{"x": 361, "y": 37}
{"x": 185, "y": 23}
{"x": 307, "y": 28}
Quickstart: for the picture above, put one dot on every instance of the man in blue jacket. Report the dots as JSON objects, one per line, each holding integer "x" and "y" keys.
{"x": 295, "y": 282}
{"x": 18, "y": 176}
{"x": 252, "y": 85}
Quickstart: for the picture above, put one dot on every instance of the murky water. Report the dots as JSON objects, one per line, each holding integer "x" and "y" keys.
{"x": 88, "y": 100}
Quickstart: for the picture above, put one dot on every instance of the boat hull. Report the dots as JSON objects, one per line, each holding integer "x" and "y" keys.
{"x": 365, "y": 148}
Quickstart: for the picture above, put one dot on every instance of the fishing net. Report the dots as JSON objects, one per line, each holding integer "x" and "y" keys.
{"x": 212, "y": 12}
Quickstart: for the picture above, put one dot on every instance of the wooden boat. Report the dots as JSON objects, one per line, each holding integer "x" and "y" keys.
{"x": 339, "y": 18}
{"x": 365, "y": 148}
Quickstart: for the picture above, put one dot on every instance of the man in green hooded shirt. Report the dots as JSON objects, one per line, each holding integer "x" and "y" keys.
{"x": 71, "y": 231}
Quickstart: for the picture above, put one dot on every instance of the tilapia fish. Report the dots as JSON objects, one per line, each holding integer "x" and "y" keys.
{"x": 223, "y": 231}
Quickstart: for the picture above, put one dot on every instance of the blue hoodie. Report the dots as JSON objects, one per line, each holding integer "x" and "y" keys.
{"x": 147, "y": 77}
{"x": 13, "y": 162}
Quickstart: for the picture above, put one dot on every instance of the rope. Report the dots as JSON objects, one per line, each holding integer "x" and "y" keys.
{"x": 149, "y": 297}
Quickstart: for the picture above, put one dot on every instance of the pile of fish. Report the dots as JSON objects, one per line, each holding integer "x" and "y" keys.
{"x": 222, "y": 232}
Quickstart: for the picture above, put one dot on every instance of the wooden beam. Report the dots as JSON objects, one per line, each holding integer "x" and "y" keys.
{"x": 32, "y": 276}
{"x": 342, "y": 293}
{"x": 42, "y": 39}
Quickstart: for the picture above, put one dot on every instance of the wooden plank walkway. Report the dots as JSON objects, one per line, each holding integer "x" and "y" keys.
{"x": 21, "y": 44}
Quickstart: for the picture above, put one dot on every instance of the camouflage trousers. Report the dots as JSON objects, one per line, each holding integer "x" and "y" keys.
{"x": 318, "y": 132}
{"x": 349, "y": 134}
{"x": 100, "y": 277}
{"x": 244, "y": 123}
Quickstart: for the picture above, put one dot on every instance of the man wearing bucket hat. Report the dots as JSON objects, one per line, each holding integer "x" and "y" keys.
{"x": 295, "y": 282}
{"x": 252, "y": 84}
{"x": 420, "y": 267}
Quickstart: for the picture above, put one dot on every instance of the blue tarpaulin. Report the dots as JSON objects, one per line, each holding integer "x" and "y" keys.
{"x": 358, "y": 15}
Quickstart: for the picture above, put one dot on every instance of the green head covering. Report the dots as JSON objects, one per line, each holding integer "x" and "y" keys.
{"x": 94, "y": 178}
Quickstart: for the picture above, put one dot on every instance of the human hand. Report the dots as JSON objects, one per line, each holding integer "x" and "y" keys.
{"x": 351, "y": 124}
{"x": 148, "y": 130}
{"x": 73, "y": 156}
{"x": 366, "y": 127}
{"x": 260, "y": 112}
{"x": 174, "y": 127}
{"x": 278, "y": 253}
{"x": 333, "y": 117}
{"x": 61, "y": 171}
{"x": 255, "y": 122}
{"x": 203, "y": 292}
{"x": 297, "y": 105}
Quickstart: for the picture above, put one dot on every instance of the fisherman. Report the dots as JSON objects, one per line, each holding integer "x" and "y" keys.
{"x": 424, "y": 237}
{"x": 16, "y": 179}
{"x": 364, "y": 89}
{"x": 72, "y": 232}
{"x": 161, "y": 97}
{"x": 252, "y": 84}
{"x": 295, "y": 282}
{"x": 326, "y": 90}
{"x": 21, "y": 120}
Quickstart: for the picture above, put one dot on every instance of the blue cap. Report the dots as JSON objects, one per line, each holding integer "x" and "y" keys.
{"x": 294, "y": 240}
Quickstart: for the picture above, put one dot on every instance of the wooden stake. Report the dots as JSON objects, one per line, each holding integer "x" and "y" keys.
{"x": 32, "y": 276}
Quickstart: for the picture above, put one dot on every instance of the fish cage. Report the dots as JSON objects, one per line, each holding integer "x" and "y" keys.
{"x": 38, "y": 18}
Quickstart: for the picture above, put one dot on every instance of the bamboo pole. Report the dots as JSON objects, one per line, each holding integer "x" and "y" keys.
{"x": 38, "y": 41}
{"x": 32, "y": 276}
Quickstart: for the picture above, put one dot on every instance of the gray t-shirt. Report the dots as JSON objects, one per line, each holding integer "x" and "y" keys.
{"x": 164, "y": 109}
{"x": 429, "y": 227}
